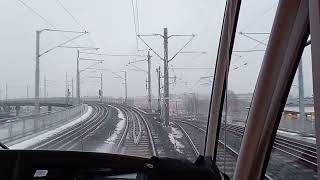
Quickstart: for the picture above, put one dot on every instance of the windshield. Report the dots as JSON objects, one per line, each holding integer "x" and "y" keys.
{"x": 126, "y": 77}
{"x": 135, "y": 77}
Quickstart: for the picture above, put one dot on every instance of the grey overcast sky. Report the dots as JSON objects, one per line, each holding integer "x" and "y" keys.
{"x": 111, "y": 27}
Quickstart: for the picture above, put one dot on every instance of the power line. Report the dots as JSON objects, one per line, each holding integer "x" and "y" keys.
{"x": 74, "y": 19}
{"x": 250, "y": 50}
{"x": 258, "y": 41}
{"x": 36, "y": 13}
{"x": 67, "y": 11}
{"x": 259, "y": 17}
{"x": 43, "y": 18}
{"x": 259, "y": 33}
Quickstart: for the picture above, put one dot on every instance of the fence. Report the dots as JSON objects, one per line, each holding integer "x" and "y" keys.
{"x": 17, "y": 127}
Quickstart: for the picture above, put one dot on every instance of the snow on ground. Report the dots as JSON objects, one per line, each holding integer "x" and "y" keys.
{"x": 27, "y": 143}
{"x": 108, "y": 145}
{"x": 297, "y": 136}
{"x": 287, "y": 133}
{"x": 174, "y": 135}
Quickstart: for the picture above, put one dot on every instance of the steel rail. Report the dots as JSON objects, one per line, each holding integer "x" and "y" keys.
{"x": 282, "y": 147}
{"x": 77, "y": 131}
{"x": 125, "y": 132}
{"x": 234, "y": 152}
{"x": 194, "y": 148}
{"x": 154, "y": 152}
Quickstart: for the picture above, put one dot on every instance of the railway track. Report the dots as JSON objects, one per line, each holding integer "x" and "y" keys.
{"x": 70, "y": 138}
{"x": 226, "y": 155}
{"x": 305, "y": 153}
{"x": 136, "y": 139}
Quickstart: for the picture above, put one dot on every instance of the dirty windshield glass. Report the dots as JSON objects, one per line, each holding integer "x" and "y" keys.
{"x": 126, "y": 77}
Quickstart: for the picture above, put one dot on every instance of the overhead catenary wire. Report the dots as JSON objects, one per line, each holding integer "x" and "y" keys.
{"x": 36, "y": 13}
{"x": 42, "y": 18}
{"x": 72, "y": 16}
{"x": 258, "y": 41}
{"x": 74, "y": 19}
{"x": 258, "y": 18}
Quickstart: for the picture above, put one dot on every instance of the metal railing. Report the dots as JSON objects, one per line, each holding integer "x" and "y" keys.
{"x": 14, "y": 128}
{"x": 50, "y": 100}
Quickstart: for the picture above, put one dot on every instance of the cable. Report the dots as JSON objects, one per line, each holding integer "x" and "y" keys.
{"x": 44, "y": 19}
{"x": 74, "y": 19}
{"x": 36, "y": 13}
{"x": 253, "y": 39}
{"x": 263, "y": 14}
{"x": 181, "y": 49}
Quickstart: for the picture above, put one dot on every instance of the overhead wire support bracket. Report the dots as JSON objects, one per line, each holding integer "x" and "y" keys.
{"x": 137, "y": 61}
{"x": 65, "y": 42}
{"x": 253, "y": 50}
{"x": 254, "y": 39}
{"x": 138, "y": 68}
{"x": 89, "y": 66}
{"x": 118, "y": 76}
{"x": 262, "y": 33}
{"x": 120, "y": 55}
{"x": 193, "y": 52}
{"x": 79, "y": 47}
{"x": 66, "y": 31}
{"x": 88, "y": 59}
{"x": 192, "y": 36}
{"x": 181, "y": 35}
{"x": 139, "y": 36}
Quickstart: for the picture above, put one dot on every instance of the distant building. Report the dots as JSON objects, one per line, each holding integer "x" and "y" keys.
{"x": 292, "y": 112}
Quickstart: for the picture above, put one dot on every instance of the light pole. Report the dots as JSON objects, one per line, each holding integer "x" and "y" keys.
{"x": 159, "y": 88}
{"x": 38, "y": 55}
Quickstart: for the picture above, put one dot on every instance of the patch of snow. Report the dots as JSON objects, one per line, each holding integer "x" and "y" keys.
{"x": 44, "y": 136}
{"x": 110, "y": 142}
{"x": 288, "y": 133}
{"x": 311, "y": 138}
{"x": 174, "y": 135}
{"x": 297, "y": 136}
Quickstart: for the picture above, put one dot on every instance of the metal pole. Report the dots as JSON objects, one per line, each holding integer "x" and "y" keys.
{"x": 67, "y": 85}
{"x": 159, "y": 90}
{"x": 301, "y": 97}
{"x": 78, "y": 78}
{"x": 126, "y": 87}
{"x": 27, "y": 91}
{"x": 44, "y": 87}
{"x": 166, "y": 78}
{"x": 149, "y": 81}
{"x": 101, "y": 96}
{"x": 37, "y": 74}
{"x": 176, "y": 107}
{"x": 6, "y": 91}
{"x": 72, "y": 88}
